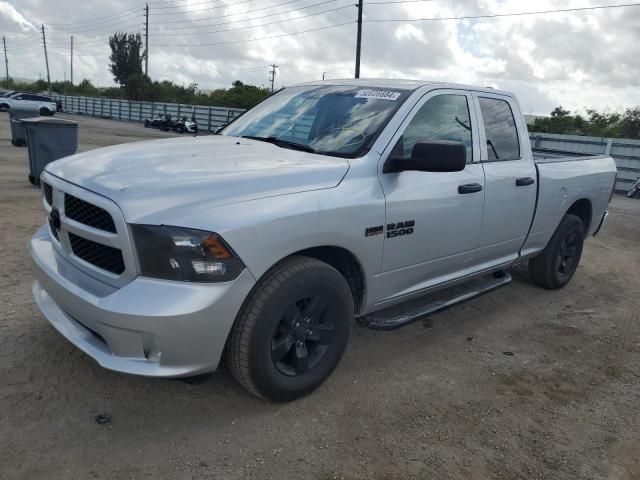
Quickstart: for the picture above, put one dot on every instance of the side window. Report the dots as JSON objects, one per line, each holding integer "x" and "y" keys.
{"x": 444, "y": 117}
{"x": 500, "y": 129}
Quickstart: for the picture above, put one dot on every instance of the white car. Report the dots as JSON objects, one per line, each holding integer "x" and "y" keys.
{"x": 29, "y": 101}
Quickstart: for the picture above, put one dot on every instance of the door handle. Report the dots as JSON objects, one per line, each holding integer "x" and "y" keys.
{"x": 524, "y": 181}
{"x": 469, "y": 188}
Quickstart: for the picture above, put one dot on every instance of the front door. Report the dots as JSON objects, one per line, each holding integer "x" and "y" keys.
{"x": 433, "y": 219}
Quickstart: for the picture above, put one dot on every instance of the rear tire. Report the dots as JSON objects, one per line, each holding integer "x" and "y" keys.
{"x": 558, "y": 262}
{"x": 45, "y": 112}
{"x": 292, "y": 331}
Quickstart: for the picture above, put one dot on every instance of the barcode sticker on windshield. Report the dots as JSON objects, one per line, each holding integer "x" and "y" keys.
{"x": 379, "y": 94}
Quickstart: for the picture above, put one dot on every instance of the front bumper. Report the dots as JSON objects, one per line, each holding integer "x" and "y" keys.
{"x": 148, "y": 327}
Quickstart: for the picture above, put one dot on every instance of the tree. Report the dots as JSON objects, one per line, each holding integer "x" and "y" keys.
{"x": 126, "y": 57}
{"x": 630, "y": 123}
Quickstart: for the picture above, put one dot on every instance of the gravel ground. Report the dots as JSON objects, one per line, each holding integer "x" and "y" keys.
{"x": 437, "y": 399}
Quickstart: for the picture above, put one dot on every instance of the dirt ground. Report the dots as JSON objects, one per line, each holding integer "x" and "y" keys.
{"x": 438, "y": 399}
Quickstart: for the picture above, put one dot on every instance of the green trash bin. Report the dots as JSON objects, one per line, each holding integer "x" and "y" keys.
{"x": 18, "y": 134}
{"x": 48, "y": 139}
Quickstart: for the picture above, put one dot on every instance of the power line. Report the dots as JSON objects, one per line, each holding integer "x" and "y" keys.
{"x": 102, "y": 18}
{"x": 255, "y": 39}
{"x": 397, "y": 1}
{"x": 260, "y": 25}
{"x": 247, "y": 19}
{"x": 183, "y": 12}
{"x": 225, "y": 6}
{"x": 497, "y": 15}
{"x": 109, "y": 27}
{"x": 188, "y": 5}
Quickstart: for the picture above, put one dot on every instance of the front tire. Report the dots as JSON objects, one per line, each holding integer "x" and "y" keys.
{"x": 558, "y": 262}
{"x": 292, "y": 331}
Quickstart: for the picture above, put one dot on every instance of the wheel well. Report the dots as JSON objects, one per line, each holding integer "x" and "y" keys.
{"x": 582, "y": 208}
{"x": 347, "y": 264}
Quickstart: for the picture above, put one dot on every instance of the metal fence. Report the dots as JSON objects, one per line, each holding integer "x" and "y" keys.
{"x": 626, "y": 152}
{"x": 208, "y": 118}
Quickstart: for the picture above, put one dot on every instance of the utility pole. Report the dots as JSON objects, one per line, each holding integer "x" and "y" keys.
{"x": 359, "y": 40}
{"x": 46, "y": 58}
{"x": 146, "y": 39}
{"x": 323, "y": 73}
{"x": 6, "y": 61}
{"x": 71, "y": 59}
{"x": 272, "y": 75}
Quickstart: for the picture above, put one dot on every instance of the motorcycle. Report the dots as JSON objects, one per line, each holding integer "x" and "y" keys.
{"x": 161, "y": 121}
{"x": 634, "y": 191}
{"x": 165, "y": 124}
{"x": 153, "y": 122}
{"x": 185, "y": 125}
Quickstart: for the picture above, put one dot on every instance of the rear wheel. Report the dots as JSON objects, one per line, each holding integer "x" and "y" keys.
{"x": 292, "y": 331}
{"x": 557, "y": 263}
{"x": 45, "y": 112}
{"x": 146, "y": 123}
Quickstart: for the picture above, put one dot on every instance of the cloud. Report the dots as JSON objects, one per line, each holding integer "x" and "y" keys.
{"x": 577, "y": 59}
{"x": 12, "y": 16}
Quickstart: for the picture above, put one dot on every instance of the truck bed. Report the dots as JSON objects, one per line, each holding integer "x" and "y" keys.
{"x": 547, "y": 155}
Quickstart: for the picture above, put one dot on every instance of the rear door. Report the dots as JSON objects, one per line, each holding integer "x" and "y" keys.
{"x": 432, "y": 226}
{"x": 510, "y": 179}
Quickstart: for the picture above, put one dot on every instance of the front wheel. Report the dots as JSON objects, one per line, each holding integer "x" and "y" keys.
{"x": 292, "y": 331}
{"x": 554, "y": 267}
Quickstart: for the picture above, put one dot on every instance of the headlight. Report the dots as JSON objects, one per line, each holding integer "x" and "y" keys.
{"x": 174, "y": 253}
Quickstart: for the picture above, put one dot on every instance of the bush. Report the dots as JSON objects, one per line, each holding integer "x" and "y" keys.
{"x": 597, "y": 124}
{"x": 141, "y": 87}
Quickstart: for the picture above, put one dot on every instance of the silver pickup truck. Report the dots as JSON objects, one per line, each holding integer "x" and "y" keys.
{"x": 324, "y": 202}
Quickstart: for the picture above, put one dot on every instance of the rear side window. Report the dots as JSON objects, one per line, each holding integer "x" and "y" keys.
{"x": 500, "y": 129}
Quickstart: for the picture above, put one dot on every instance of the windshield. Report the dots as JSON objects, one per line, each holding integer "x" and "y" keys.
{"x": 335, "y": 120}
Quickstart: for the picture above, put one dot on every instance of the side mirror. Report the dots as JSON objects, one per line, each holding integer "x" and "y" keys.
{"x": 439, "y": 156}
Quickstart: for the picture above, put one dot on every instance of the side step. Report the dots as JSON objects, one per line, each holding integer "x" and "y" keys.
{"x": 403, "y": 314}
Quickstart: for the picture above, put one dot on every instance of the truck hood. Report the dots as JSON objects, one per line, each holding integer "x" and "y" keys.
{"x": 145, "y": 178}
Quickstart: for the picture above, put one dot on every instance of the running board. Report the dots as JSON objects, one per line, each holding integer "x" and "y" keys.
{"x": 404, "y": 314}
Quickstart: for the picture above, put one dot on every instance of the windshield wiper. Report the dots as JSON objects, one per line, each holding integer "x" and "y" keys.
{"x": 282, "y": 143}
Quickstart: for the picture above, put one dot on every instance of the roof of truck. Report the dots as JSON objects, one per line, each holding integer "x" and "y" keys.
{"x": 403, "y": 84}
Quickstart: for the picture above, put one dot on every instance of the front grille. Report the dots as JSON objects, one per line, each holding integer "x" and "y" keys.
{"x": 88, "y": 214}
{"x": 48, "y": 193}
{"x": 54, "y": 225}
{"x": 102, "y": 256}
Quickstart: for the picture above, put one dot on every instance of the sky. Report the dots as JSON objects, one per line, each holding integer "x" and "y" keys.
{"x": 580, "y": 59}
